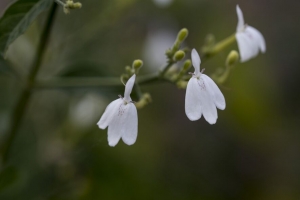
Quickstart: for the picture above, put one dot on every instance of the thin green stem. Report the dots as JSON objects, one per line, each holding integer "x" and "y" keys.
{"x": 220, "y": 79}
{"x": 165, "y": 69}
{"x": 217, "y": 47}
{"x": 90, "y": 82}
{"x": 22, "y": 102}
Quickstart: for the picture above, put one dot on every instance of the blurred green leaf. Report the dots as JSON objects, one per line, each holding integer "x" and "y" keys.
{"x": 8, "y": 176}
{"x": 17, "y": 18}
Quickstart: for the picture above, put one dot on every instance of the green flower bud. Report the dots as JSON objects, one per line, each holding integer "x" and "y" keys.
{"x": 77, "y": 5}
{"x": 137, "y": 64}
{"x": 128, "y": 69}
{"x": 187, "y": 64}
{"x": 168, "y": 53}
{"x": 232, "y": 58}
{"x": 183, "y": 33}
{"x": 179, "y": 55}
{"x": 69, "y": 3}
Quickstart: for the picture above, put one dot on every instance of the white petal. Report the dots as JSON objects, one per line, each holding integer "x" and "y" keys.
{"x": 196, "y": 61}
{"x": 130, "y": 128}
{"x": 209, "y": 109}
{"x": 109, "y": 113}
{"x": 241, "y": 23}
{"x": 123, "y": 124}
{"x": 215, "y": 92}
{"x": 128, "y": 88}
{"x": 259, "y": 38}
{"x": 248, "y": 46}
{"x": 192, "y": 100}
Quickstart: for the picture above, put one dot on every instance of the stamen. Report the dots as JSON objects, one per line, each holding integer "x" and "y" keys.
{"x": 120, "y": 96}
{"x": 202, "y": 70}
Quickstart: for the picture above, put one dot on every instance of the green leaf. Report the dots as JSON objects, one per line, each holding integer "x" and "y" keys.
{"x": 17, "y": 18}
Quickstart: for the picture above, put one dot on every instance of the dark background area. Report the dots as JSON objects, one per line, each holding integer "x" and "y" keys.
{"x": 252, "y": 152}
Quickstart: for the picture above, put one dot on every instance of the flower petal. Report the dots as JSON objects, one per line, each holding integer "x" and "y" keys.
{"x": 123, "y": 124}
{"x": 196, "y": 61}
{"x": 130, "y": 128}
{"x": 192, "y": 100}
{"x": 215, "y": 92}
{"x": 109, "y": 113}
{"x": 241, "y": 22}
{"x": 209, "y": 109}
{"x": 248, "y": 46}
{"x": 259, "y": 38}
{"x": 128, "y": 88}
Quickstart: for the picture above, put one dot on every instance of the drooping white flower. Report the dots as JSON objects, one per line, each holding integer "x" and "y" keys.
{"x": 121, "y": 118}
{"x": 250, "y": 40}
{"x": 202, "y": 95}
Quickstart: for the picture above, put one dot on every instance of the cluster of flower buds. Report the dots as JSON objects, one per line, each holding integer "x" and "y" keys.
{"x": 69, "y": 5}
{"x": 130, "y": 70}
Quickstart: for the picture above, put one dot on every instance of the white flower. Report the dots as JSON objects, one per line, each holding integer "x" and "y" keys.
{"x": 121, "y": 118}
{"x": 202, "y": 95}
{"x": 250, "y": 40}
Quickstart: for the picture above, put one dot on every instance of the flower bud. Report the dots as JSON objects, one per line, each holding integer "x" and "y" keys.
{"x": 183, "y": 33}
{"x": 232, "y": 58}
{"x": 137, "y": 64}
{"x": 69, "y": 3}
{"x": 128, "y": 69}
{"x": 187, "y": 64}
{"x": 77, "y": 5}
{"x": 168, "y": 53}
{"x": 179, "y": 55}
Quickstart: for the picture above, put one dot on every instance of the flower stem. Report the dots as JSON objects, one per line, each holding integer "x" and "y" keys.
{"x": 22, "y": 103}
{"x": 165, "y": 69}
{"x": 218, "y": 47}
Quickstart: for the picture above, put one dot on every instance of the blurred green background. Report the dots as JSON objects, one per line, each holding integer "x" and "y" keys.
{"x": 252, "y": 152}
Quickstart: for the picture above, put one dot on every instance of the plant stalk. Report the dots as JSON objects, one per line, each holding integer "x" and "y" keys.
{"x": 23, "y": 100}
